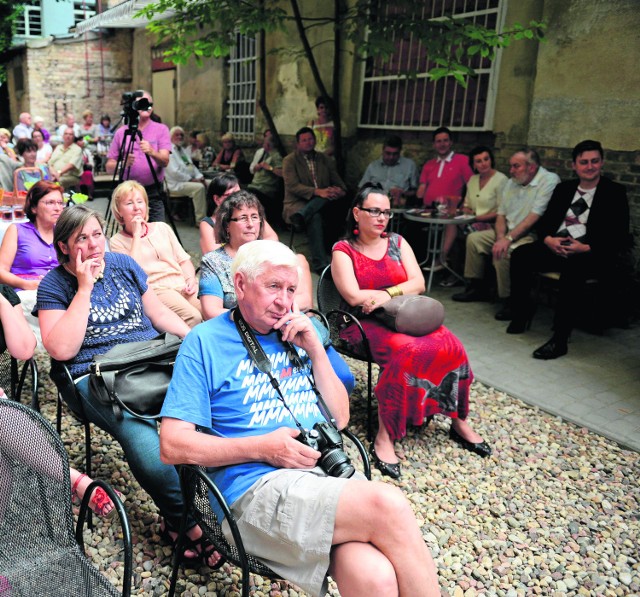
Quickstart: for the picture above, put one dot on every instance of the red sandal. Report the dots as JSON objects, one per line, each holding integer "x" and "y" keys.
{"x": 100, "y": 503}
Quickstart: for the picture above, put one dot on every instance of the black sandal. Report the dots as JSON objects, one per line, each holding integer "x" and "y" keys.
{"x": 203, "y": 548}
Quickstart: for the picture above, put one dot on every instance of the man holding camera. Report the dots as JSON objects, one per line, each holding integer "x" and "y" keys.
{"x": 155, "y": 143}
{"x": 299, "y": 520}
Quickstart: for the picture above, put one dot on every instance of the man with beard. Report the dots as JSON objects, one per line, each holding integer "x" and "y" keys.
{"x": 524, "y": 200}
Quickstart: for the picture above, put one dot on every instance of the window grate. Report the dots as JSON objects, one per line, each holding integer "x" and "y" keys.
{"x": 393, "y": 101}
{"x": 242, "y": 88}
{"x": 29, "y": 24}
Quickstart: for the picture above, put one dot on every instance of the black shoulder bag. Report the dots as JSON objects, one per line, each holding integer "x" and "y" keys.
{"x": 135, "y": 376}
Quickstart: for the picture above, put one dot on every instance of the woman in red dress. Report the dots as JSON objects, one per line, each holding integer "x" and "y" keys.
{"x": 420, "y": 376}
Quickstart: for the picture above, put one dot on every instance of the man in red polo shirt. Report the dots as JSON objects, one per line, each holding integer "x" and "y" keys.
{"x": 447, "y": 174}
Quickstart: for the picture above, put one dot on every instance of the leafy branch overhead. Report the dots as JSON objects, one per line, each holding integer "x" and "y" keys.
{"x": 9, "y": 13}
{"x": 207, "y": 28}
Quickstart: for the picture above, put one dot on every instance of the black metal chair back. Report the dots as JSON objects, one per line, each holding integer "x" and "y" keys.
{"x": 13, "y": 378}
{"x": 331, "y": 304}
{"x": 40, "y": 554}
{"x": 68, "y": 393}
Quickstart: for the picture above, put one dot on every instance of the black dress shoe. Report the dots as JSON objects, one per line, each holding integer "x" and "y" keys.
{"x": 504, "y": 314}
{"x": 518, "y": 326}
{"x": 553, "y": 349}
{"x": 471, "y": 295}
{"x": 482, "y": 449}
{"x": 386, "y": 468}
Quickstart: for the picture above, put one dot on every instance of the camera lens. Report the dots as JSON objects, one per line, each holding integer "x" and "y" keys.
{"x": 141, "y": 104}
{"x": 337, "y": 464}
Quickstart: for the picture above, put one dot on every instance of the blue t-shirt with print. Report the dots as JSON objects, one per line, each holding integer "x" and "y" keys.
{"x": 216, "y": 386}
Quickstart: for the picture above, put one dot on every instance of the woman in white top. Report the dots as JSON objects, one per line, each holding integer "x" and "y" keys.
{"x": 482, "y": 198}
{"x": 323, "y": 126}
{"x": 44, "y": 149}
{"x": 484, "y": 188}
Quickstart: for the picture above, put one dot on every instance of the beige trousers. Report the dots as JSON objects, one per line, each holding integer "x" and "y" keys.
{"x": 187, "y": 307}
{"x": 196, "y": 191}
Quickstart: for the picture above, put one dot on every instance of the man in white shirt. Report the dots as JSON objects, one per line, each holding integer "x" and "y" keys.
{"x": 66, "y": 161}
{"x": 23, "y": 129}
{"x": 267, "y": 184}
{"x": 69, "y": 122}
{"x": 524, "y": 200}
{"x": 397, "y": 175}
{"x": 183, "y": 178}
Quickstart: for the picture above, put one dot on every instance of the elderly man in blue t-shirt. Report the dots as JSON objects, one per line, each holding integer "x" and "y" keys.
{"x": 298, "y": 520}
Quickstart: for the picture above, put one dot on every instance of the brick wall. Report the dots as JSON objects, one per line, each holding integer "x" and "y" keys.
{"x": 69, "y": 76}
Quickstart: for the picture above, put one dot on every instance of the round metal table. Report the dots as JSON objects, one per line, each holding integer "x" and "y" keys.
{"x": 435, "y": 226}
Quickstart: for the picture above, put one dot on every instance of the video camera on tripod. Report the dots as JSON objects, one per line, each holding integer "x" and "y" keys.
{"x": 132, "y": 101}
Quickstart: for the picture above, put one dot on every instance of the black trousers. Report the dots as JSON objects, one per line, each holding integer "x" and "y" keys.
{"x": 574, "y": 273}
{"x": 156, "y": 203}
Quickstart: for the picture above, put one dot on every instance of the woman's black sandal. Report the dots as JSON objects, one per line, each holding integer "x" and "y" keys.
{"x": 386, "y": 468}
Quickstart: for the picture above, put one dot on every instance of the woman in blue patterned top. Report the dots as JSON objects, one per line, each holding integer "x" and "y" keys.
{"x": 92, "y": 301}
{"x": 239, "y": 220}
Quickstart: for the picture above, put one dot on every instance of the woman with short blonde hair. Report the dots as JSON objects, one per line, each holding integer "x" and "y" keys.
{"x": 156, "y": 249}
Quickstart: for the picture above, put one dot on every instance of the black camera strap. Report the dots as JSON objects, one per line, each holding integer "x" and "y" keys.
{"x": 263, "y": 364}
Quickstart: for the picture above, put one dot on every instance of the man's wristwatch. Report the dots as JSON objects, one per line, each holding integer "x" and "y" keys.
{"x": 509, "y": 238}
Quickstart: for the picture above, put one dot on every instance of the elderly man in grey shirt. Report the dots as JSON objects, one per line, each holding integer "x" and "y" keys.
{"x": 524, "y": 200}
{"x": 397, "y": 175}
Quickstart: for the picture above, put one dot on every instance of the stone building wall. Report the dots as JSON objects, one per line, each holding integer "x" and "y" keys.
{"x": 67, "y": 75}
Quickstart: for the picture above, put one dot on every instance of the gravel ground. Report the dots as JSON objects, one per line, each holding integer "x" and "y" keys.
{"x": 555, "y": 511}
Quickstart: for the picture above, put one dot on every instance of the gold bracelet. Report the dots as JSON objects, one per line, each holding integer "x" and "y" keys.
{"x": 394, "y": 291}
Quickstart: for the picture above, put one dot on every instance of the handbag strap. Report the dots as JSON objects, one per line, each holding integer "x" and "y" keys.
{"x": 109, "y": 379}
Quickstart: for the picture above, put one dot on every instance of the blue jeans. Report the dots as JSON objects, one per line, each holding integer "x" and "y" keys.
{"x": 141, "y": 444}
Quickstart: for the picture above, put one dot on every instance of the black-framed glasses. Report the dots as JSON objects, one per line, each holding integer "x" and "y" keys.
{"x": 374, "y": 212}
{"x": 254, "y": 219}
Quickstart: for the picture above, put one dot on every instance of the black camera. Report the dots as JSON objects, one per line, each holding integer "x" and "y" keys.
{"x": 132, "y": 101}
{"x": 326, "y": 439}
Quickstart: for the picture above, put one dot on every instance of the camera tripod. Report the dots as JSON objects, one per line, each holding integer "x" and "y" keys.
{"x": 121, "y": 173}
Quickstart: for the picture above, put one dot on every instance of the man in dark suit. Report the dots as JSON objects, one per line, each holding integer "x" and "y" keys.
{"x": 581, "y": 235}
{"x": 311, "y": 186}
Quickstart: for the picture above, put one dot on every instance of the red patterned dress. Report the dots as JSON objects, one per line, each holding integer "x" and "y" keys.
{"x": 420, "y": 376}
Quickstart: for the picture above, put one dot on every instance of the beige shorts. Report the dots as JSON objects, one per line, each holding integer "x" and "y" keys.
{"x": 287, "y": 519}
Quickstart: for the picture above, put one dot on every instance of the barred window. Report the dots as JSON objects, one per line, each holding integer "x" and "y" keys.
{"x": 242, "y": 88}
{"x": 394, "y": 101}
{"x": 82, "y": 10}
{"x": 29, "y": 24}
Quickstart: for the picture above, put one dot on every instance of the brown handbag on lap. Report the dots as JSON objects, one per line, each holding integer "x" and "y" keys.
{"x": 416, "y": 315}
